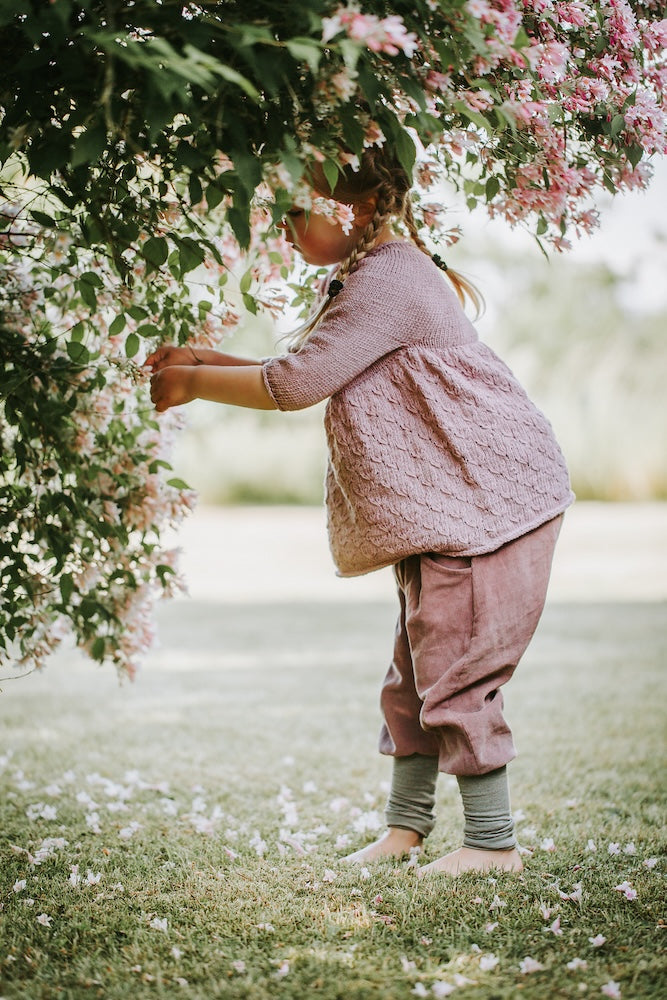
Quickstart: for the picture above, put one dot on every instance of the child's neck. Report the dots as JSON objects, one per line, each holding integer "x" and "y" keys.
{"x": 386, "y": 235}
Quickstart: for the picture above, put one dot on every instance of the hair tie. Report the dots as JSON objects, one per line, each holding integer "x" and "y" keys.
{"x": 334, "y": 288}
{"x": 439, "y": 262}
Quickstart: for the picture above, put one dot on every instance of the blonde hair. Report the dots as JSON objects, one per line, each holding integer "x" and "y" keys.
{"x": 379, "y": 174}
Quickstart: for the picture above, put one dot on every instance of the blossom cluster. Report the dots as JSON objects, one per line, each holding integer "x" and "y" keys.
{"x": 387, "y": 34}
{"x": 86, "y": 488}
{"x": 565, "y": 98}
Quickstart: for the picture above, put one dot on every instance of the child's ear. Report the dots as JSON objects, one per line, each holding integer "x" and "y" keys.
{"x": 364, "y": 211}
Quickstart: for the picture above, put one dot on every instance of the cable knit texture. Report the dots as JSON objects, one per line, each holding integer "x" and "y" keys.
{"x": 433, "y": 444}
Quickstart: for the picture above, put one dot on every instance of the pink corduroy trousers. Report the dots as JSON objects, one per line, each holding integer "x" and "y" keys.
{"x": 464, "y": 624}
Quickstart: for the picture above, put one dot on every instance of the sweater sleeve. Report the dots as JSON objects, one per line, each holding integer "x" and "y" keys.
{"x": 356, "y": 331}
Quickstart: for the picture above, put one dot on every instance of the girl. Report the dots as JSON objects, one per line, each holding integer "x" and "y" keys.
{"x": 440, "y": 466}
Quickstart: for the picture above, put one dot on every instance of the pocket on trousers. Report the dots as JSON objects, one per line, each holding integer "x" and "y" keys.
{"x": 441, "y": 626}
{"x": 446, "y": 563}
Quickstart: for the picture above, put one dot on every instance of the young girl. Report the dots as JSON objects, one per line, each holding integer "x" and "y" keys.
{"x": 440, "y": 466}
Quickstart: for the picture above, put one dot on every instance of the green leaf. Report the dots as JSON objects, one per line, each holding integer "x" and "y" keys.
{"x": 117, "y": 325}
{"x": 330, "y": 168}
{"x": 474, "y": 116}
{"x": 155, "y": 250}
{"x": 214, "y": 195}
{"x": 66, "y": 587}
{"x": 42, "y": 219}
{"x": 246, "y": 281}
{"x": 148, "y": 330}
{"x": 191, "y": 254}
{"x": 617, "y": 124}
{"x": 305, "y": 50}
{"x": 195, "y": 189}
{"x": 137, "y": 312}
{"x": 158, "y": 463}
{"x": 132, "y": 345}
{"x": 250, "y": 303}
{"x": 634, "y": 153}
{"x": 492, "y": 187}
{"x": 89, "y": 146}
{"x": 98, "y": 648}
{"x": 78, "y": 352}
{"x": 405, "y": 149}
{"x": 163, "y": 571}
{"x": 178, "y": 484}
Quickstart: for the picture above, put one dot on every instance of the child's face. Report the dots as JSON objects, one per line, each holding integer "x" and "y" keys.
{"x": 318, "y": 238}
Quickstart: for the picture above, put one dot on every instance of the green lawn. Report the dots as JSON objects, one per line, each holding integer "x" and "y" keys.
{"x": 186, "y": 831}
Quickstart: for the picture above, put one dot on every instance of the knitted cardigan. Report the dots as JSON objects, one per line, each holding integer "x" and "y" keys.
{"x": 433, "y": 444}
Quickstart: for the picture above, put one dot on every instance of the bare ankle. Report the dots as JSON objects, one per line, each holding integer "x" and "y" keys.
{"x": 394, "y": 843}
{"x": 403, "y": 834}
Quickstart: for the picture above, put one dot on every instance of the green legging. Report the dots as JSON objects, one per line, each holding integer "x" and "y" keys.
{"x": 486, "y": 802}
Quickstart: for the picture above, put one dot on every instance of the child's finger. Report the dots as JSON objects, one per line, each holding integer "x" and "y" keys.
{"x": 155, "y": 391}
{"x": 154, "y": 360}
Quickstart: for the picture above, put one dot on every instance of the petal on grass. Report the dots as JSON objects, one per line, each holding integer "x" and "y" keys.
{"x": 442, "y": 988}
{"x": 627, "y": 890}
{"x": 529, "y": 965}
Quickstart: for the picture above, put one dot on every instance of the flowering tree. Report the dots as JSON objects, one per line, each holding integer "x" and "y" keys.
{"x": 147, "y": 150}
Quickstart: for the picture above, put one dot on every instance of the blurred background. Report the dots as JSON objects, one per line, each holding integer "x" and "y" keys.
{"x": 585, "y": 331}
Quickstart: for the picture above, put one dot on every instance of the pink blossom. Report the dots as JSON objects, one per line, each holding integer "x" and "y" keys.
{"x": 387, "y": 35}
{"x": 611, "y": 989}
{"x": 627, "y": 890}
{"x": 530, "y": 965}
{"x": 575, "y": 896}
{"x": 597, "y": 941}
{"x": 441, "y": 988}
{"x": 283, "y": 969}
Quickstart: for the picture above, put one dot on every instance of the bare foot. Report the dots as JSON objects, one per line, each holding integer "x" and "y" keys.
{"x": 473, "y": 859}
{"x": 393, "y": 844}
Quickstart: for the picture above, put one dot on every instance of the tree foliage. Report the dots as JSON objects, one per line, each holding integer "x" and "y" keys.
{"x": 146, "y": 151}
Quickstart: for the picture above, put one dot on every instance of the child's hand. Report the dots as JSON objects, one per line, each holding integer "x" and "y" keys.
{"x": 167, "y": 355}
{"x": 172, "y": 386}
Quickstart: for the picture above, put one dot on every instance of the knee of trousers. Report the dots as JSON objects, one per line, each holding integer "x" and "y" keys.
{"x": 470, "y": 742}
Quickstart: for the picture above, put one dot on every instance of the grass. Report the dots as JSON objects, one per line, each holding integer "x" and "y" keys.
{"x": 245, "y": 757}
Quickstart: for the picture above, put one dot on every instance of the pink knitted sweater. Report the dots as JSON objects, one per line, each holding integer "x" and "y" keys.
{"x": 433, "y": 444}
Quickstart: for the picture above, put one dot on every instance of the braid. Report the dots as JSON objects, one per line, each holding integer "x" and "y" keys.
{"x": 411, "y": 226}
{"x": 380, "y": 173}
{"x": 367, "y": 239}
{"x": 348, "y": 266}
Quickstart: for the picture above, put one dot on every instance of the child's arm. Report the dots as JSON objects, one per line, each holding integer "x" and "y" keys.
{"x": 236, "y": 384}
{"x": 169, "y": 355}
